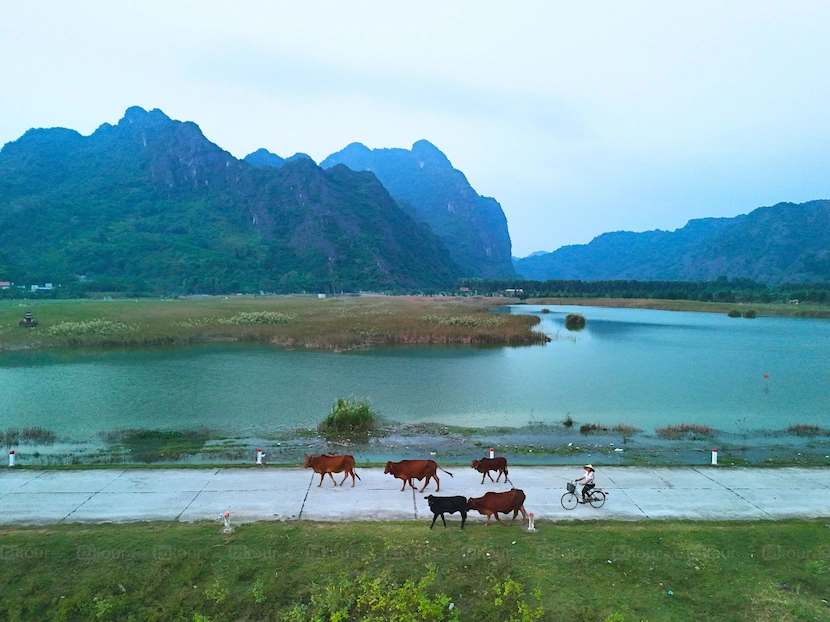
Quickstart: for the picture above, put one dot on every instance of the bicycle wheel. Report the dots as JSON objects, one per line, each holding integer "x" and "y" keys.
{"x": 569, "y": 501}
{"x": 597, "y": 499}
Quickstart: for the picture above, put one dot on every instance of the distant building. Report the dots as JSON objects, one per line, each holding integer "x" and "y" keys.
{"x": 5, "y": 284}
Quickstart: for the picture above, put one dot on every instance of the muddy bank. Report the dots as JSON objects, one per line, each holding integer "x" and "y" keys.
{"x": 530, "y": 445}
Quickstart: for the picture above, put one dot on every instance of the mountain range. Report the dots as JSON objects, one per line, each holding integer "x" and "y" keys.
{"x": 150, "y": 204}
{"x": 473, "y": 228}
{"x": 783, "y": 243}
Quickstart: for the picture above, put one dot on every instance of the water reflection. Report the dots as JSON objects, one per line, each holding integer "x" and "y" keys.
{"x": 644, "y": 368}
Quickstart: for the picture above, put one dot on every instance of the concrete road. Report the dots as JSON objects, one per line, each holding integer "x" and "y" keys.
{"x": 265, "y": 493}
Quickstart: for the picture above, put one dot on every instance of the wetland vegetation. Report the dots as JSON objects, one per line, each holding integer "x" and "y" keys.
{"x": 337, "y": 324}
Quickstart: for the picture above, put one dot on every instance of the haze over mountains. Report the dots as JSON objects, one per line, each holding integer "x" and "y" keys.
{"x": 151, "y": 205}
{"x": 784, "y": 243}
{"x": 473, "y": 227}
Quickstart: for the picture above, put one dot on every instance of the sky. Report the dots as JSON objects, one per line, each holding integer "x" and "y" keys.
{"x": 578, "y": 117}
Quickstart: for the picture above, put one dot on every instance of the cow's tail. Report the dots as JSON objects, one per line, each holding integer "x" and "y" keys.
{"x": 356, "y": 475}
{"x": 447, "y": 472}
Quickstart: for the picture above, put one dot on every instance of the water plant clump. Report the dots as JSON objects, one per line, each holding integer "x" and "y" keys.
{"x": 89, "y": 327}
{"x": 592, "y": 428}
{"x": 750, "y": 314}
{"x": 349, "y": 417}
{"x": 685, "y": 430}
{"x": 159, "y": 445}
{"x": 734, "y": 313}
{"x": 257, "y": 317}
{"x": 626, "y": 431}
{"x": 462, "y": 320}
{"x": 574, "y": 321}
{"x": 568, "y": 421}
{"x": 804, "y": 429}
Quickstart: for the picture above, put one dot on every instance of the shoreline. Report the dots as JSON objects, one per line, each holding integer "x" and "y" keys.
{"x": 766, "y": 309}
{"x": 534, "y": 445}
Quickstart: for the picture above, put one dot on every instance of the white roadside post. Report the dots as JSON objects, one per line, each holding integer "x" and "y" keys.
{"x": 530, "y": 524}
{"x": 11, "y": 458}
{"x": 259, "y": 455}
{"x": 492, "y": 453}
{"x": 715, "y": 457}
{"x": 227, "y": 528}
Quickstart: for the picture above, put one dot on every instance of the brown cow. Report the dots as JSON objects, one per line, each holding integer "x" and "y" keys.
{"x": 407, "y": 470}
{"x": 485, "y": 465}
{"x": 324, "y": 463}
{"x": 505, "y": 502}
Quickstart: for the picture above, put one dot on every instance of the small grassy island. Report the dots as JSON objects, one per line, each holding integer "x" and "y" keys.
{"x": 336, "y": 324}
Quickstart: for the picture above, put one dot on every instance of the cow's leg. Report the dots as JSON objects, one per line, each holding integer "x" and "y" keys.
{"x": 443, "y": 520}
{"x": 499, "y": 477}
{"x": 404, "y": 484}
{"x": 515, "y": 513}
{"x": 496, "y": 514}
{"x": 345, "y": 475}
{"x": 463, "y": 518}
{"x": 333, "y": 481}
{"x": 437, "y": 483}
{"x": 488, "y": 518}
{"x": 490, "y": 476}
{"x": 434, "y": 518}
{"x": 524, "y": 514}
{"x": 482, "y": 476}
{"x": 322, "y": 475}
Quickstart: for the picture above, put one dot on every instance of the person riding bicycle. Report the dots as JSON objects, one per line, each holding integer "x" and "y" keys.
{"x": 589, "y": 481}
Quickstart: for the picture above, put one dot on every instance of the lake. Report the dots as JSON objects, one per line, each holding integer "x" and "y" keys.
{"x": 639, "y": 367}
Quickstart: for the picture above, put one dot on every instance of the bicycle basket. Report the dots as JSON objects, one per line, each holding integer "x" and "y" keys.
{"x": 571, "y": 487}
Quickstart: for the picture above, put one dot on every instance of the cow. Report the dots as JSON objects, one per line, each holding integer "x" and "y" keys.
{"x": 485, "y": 465}
{"x": 505, "y": 502}
{"x": 451, "y": 505}
{"x": 324, "y": 463}
{"x": 407, "y": 470}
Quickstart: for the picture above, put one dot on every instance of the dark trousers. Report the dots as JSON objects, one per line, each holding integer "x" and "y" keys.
{"x": 587, "y": 488}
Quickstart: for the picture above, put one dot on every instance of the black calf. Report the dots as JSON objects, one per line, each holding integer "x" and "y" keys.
{"x": 450, "y": 505}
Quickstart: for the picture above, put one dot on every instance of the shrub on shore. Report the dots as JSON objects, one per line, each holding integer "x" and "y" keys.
{"x": 592, "y": 428}
{"x": 750, "y": 314}
{"x": 626, "y": 431}
{"x": 574, "y": 321}
{"x": 568, "y": 421}
{"x": 349, "y": 417}
{"x": 734, "y": 313}
{"x": 684, "y": 430}
{"x": 804, "y": 429}
{"x": 257, "y": 317}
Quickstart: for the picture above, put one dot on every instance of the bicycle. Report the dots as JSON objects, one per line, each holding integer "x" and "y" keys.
{"x": 571, "y": 499}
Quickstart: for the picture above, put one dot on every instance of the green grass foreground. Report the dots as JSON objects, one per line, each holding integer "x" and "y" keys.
{"x": 293, "y": 321}
{"x": 583, "y": 571}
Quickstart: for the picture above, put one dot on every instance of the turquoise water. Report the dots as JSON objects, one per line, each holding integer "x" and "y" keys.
{"x": 639, "y": 367}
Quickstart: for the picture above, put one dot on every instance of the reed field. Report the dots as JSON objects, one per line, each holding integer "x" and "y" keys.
{"x": 339, "y": 323}
{"x": 603, "y": 571}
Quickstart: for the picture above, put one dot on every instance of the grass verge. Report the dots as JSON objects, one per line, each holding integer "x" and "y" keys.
{"x": 663, "y": 570}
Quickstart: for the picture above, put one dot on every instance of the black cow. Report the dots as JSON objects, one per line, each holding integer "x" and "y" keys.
{"x": 451, "y": 505}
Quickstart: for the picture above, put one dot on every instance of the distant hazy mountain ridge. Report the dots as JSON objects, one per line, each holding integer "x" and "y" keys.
{"x": 785, "y": 243}
{"x": 151, "y": 205}
{"x": 473, "y": 228}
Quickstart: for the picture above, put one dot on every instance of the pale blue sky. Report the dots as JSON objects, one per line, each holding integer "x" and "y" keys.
{"x": 579, "y": 118}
